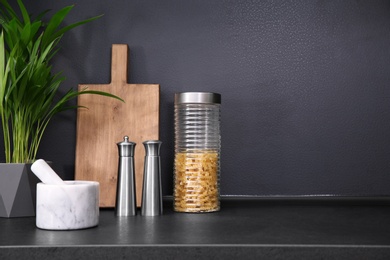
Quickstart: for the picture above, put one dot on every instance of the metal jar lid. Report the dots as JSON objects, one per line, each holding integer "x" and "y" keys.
{"x": 197, "y": 97}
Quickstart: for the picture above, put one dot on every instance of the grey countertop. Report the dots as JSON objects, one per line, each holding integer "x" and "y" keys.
{"x": 249, "y": 228}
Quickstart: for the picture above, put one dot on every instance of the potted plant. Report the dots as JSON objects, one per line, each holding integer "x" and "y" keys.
{"x": 28, "y": 96}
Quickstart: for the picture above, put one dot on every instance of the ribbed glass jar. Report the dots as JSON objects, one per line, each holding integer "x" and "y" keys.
{"x": 197, "y": 152}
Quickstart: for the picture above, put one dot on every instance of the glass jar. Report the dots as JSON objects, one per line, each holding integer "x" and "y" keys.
{"x": 197, "y": 152}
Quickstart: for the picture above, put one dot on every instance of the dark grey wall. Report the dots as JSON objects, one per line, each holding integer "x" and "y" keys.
{"x": 305, "y": 85}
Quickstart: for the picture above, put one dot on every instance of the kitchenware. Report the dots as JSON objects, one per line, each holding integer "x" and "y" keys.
{"x": 197, "y": 152}
{"x": 126, "y": 204}
{"x": 107, "y": 120}
{"x": 45, "y": 173}
{"x": 64, "y": 205}
{"x": 151, "y": 193}
{"x": 69, "y": 206}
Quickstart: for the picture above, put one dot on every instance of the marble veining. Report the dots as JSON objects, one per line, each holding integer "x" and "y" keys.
{"x": 67, "y": 207}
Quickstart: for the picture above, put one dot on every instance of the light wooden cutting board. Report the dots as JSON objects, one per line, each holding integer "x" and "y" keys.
{"x": 107, "y": 121}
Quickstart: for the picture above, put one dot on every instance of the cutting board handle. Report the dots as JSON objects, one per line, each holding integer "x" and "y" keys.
{"x": 119, "y": 63}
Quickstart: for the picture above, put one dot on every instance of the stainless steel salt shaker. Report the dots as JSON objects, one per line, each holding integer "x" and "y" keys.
{"x": 126, "y": 204}
{"x": 151, "y": 204}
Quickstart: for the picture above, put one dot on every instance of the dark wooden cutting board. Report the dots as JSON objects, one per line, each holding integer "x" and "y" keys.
{"x": 107, "y": 121}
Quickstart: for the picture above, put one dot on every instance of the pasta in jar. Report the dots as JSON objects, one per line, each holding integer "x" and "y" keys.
{"x": 196, "y": 182}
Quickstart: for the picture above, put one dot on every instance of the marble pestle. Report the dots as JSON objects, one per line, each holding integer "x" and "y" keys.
{"x": 45, "y": 173}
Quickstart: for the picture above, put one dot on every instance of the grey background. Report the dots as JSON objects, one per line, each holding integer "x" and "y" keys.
{"x": 304, "y": 84}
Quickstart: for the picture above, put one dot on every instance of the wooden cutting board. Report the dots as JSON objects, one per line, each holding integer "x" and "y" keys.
{"x": 107, "y": 121}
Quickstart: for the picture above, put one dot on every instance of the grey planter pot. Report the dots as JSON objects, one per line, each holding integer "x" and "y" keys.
{"x": 17, "y": 190}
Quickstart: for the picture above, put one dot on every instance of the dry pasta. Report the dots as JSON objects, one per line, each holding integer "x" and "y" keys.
{"x": 196, "y": 182}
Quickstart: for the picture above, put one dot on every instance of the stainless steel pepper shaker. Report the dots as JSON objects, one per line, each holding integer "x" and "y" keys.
{"x": 151, "y": 204}
{"x": 126, "y": 204}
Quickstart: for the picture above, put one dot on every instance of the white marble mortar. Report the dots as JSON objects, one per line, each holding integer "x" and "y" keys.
{"x": 74, "y": 205}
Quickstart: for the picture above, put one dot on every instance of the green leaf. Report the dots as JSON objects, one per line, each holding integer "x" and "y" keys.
{"x": 53, "y": 24}
{"x": 28, "y": 86}
{"x": 69, "y": 27}
{"x": 25, "y": 14}
{"x": 9, "y": 9}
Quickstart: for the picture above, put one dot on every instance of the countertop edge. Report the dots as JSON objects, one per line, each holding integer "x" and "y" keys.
{"x": 197, "y": 252}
